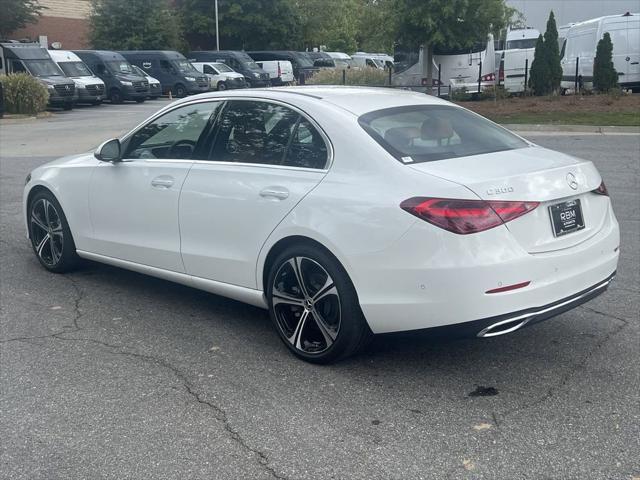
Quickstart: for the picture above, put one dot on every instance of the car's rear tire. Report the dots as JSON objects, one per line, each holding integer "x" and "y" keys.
{"x": 320, "y": 320}
{"x": 140, "y": 100}
{"x": 222, "y": 86}
{"x": 50, "y": 235}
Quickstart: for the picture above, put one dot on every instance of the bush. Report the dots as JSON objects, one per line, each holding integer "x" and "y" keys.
{"x": 24, "y": 94}
{"x": 605, "y": 77}
{"x": 362, "y": 76}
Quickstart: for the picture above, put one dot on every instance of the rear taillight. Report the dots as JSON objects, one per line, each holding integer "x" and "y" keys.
{"x": 601, "y": 190}
{"x": 465, "y": 216}
{"x": 489, "y": 77}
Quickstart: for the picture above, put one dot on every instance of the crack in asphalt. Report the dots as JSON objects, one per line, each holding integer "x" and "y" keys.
{"x": 219, "y": 413}
{"x": 580, "y": 365}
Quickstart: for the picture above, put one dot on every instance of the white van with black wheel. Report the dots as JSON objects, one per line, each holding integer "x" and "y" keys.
{"x": 89, "y": 87}
{"x": 280, "y": 71}
{"x": 220, "y": 75}
{"x": 580, "y": 47}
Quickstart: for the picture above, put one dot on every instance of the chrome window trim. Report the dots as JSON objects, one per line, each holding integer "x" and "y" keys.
{"x": 305, "y": 115}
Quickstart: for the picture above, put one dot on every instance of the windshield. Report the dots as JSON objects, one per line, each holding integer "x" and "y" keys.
{"x": 75, "y": 69}
{"x": 425, "y": 133}
{"x": 222, "y": 68}
{"x": 184, "y": 66}
{"x": 522, "y": 43}
{"x": 138, "y": 71}
{"x": 247, "y": 61}
{"x": 120, "y": 66}
{"x": 43, "y": 68}
{"x": 303, "y": 60}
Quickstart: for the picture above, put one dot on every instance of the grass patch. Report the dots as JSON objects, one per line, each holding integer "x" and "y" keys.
{"x": 608, "y": 119}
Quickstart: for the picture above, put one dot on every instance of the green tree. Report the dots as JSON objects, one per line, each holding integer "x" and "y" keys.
{"x": 451, "y": 23}
{"x": 539, "y": 73}
{"x": 605, "y": 76}
{"x": 332, "y": 23}
{"x": 552, "y": 55}
{"x": 134, "y": 25}
{"x": 243, "y": 24}
{"x": 17, "y": 14}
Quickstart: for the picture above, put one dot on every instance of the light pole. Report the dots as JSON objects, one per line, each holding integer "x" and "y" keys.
{"x": 217, "y": 33}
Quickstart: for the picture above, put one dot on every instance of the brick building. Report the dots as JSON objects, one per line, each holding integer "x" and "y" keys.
{"x": 64, "y": 21}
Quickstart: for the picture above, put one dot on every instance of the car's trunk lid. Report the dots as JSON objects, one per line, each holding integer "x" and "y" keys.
{"x": 531, "y": 174}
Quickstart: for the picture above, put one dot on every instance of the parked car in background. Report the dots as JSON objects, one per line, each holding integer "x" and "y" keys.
{"x": 89, "y": 88}
{"x": 155, "y": 87}
{"x": 582, "y": 41}
{"x": 121, "y": 82}
{"x": 519, "y": 52}
{"x": 280, "y": 71}
{"x": 364, "y": 60}
{"x": 172, "y": 69}
{"x": 239, "y": 61}
{"x": 221, "y": 76}
{"x": 302, "y": 65}
{"x": 321, "y": 59}
{"x": 341, "y": 60}
{"x": 32, "y": 59}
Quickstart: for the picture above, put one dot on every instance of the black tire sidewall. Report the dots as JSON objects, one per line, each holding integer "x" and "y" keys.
{"x": 69, "y": 258}
{"x": 353, "y": 327}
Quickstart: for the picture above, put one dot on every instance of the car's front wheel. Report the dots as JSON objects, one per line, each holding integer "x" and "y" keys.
{"x": 314, "y": 305}
{"x": 50, "y": 234}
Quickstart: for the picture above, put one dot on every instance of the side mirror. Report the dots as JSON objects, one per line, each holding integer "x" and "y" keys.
{"x": 109, "y": 151}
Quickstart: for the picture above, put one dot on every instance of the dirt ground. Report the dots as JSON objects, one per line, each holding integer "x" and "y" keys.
{"x": 573, "y": 104}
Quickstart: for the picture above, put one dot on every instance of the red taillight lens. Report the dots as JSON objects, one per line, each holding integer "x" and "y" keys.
{"x": 465, "y": 216}
{"x": 601, "y": 190}
{"x": 489, "y": 77}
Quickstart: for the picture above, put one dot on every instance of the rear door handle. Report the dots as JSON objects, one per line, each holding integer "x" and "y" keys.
{"x": 163, "y": 181}
{"x": 275, "y": 192}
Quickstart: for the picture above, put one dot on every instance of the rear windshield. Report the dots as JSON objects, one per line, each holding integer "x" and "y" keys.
{"x": 425, "y": 133}
{"x": 75, "y": 69}
{"x": 522, "y": 43}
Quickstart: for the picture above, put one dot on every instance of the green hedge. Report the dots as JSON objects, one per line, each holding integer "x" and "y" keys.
{"x": 24, "y": 94}
{"x": 360, "y": 76}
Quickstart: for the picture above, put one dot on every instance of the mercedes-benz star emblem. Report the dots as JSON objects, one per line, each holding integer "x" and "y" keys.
{"x": 572, "y": 181}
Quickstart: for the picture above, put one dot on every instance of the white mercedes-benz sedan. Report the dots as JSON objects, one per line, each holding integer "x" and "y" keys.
{"x": 345, "y": 212}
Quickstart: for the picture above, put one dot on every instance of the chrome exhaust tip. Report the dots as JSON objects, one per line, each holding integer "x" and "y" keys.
{"x": 503, "y": 327}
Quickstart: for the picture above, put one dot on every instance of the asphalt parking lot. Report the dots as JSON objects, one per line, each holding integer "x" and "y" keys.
{"x": 109, "y": 374}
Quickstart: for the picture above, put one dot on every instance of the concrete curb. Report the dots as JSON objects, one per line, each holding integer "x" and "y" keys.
{"x": 594, "y": 129}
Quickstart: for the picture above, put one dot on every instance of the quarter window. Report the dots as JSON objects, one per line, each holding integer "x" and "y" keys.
{"x": 266, "y": 133}
{"x": 178, "y": 134}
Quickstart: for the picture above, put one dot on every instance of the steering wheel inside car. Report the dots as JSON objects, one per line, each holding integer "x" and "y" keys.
{"x": 182, "y": 149}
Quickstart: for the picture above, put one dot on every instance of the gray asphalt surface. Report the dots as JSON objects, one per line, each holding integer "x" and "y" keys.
{"x": 108, "y": 374}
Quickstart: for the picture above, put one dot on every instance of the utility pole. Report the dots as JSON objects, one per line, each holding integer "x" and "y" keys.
{"x": 217, "y": 32}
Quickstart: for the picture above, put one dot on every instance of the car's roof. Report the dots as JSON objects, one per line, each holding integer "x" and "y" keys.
{"x": 357, "y": 100}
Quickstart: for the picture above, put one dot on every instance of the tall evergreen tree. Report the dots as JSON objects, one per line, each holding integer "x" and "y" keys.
{"x": 134, "y": 25}
{"x": 539, "y": 75}
{"x": 605, "y": 76}
{"x": 552, "y": 55}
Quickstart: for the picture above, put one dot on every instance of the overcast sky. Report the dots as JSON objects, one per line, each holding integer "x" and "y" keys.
{"x": 567, "y": 11}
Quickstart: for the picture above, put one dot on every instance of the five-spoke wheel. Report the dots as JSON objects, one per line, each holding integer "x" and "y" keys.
{"x": 49, "y": 232}
{"x": 314, "y": 306}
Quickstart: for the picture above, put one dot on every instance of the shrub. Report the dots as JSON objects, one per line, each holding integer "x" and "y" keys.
{"x": 24, "y": 94}
{"x": 539, "y": 73}
{"x": 353, "y": 76}
{"x": 605, "y": 76}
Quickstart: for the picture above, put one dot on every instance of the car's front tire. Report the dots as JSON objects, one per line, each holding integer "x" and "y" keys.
{"x": 50, "y": 235}
{"x": 314, "y": 306}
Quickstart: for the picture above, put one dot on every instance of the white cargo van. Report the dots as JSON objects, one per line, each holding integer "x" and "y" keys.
{"x": 280, "y": 71}
{"x": 365, "y": 60}
{"x": 519, "y": 52}
{"x": 221, "y": 76}
{"x": 90, "y": 88}
{"x": 581, "y": 43}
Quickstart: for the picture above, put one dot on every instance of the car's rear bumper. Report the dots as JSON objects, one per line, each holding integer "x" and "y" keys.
{"x": 431, "y": 278}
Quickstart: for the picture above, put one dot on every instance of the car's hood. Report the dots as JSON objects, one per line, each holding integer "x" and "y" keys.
{"x": 56, "y": 80}
{"x": 231, "y": 75}
{"x": 87, "y": 80}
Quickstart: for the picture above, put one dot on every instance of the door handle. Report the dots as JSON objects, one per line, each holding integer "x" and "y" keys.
{"x": 275, "y": 192}
{"x": 162, "y": 182}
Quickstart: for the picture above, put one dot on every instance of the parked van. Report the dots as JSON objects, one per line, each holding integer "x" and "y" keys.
{"x": 172, "y": 69}
{"x": 155, "y": 87}
{"x": 34, "y": 60}
{"x": 238, "y": 61}
{"x": 341, "y": 60}
{"x": 121, "y": 82}
{"x": 301, "y": 63}
{"x": 280, "y": 71}
{"x": 519, "y": 52}
{"x": 221, "y": 76}
{"x": 582, "y": 41}
{"x": 365, "y": 60}
{"x": 90, "y": 89}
